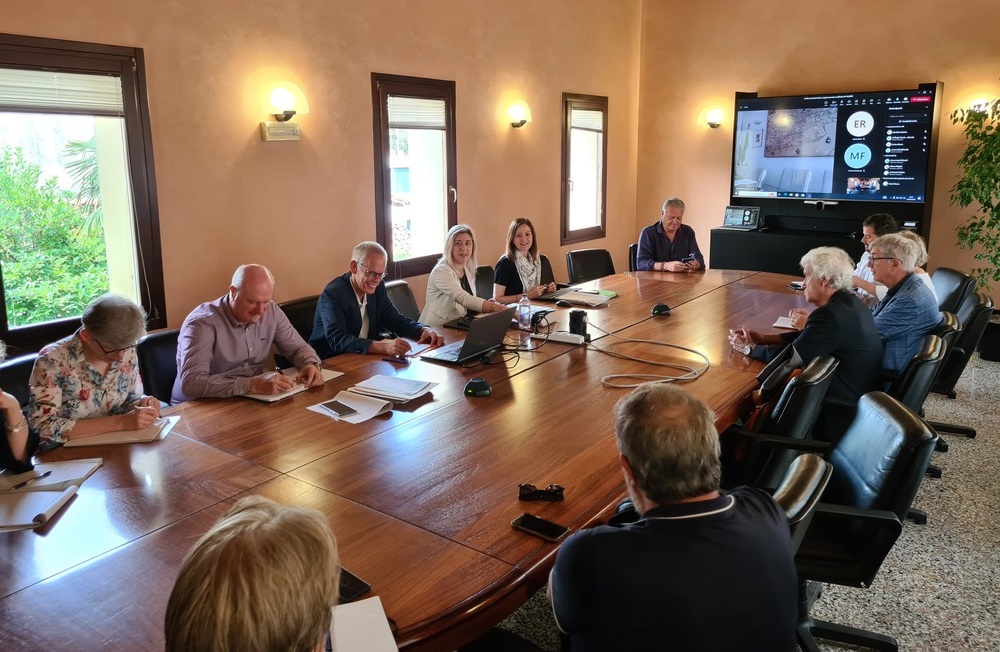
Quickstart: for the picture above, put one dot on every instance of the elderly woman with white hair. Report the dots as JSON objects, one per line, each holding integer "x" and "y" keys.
{"x": 88, "y": 383}
{"x": 841, "y": 326}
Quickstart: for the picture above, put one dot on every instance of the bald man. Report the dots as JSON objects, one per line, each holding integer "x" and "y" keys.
{"x": 224, "y": 345}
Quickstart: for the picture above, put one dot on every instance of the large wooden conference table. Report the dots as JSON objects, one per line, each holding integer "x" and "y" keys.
{"x": 420, "y": 499}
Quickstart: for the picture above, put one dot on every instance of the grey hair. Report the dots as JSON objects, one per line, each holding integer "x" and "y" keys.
{"x": 239, "y": 276}
{"x": 669, "y": 438}
{"x": 921, "y": 247}
{"x": 114, "y": 320}
{"x": 830, "y": 264}
{"x": 676, "y": 202}
{"x": 898, "y": 246}
{"x": 368, "y": 248}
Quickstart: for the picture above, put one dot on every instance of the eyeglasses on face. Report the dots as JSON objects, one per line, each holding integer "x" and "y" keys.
{"x": 527, "y": 491}
{"x": 114, "y": 351}
{"x": 372, "y": 275}
{"x": 872, "y": 259}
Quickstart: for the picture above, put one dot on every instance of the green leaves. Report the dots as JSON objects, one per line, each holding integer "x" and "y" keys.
{"x": 979, "y": 187}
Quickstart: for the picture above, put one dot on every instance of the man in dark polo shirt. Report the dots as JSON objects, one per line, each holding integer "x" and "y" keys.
{"x": 701, "y": 569}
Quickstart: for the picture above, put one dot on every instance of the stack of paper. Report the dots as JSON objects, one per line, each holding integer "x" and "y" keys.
{"x": 158, "y": 430}
{"x": 391, "y": 388}
{"x": 29, "y": 500}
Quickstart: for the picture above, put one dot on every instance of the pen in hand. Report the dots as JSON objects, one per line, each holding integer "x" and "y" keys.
{"x": 21, "y": 485}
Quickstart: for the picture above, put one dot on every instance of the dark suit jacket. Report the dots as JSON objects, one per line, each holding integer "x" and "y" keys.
{"x": 338, "y": 319}
{"x": 843, "y": 328}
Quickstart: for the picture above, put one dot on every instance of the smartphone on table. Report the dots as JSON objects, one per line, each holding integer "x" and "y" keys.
{"x": 352, "y": 587}
{"x": 539, "y": 527}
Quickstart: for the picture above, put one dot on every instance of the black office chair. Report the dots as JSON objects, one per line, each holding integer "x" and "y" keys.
{"x": 157, "y": 353}
{"x": 547, "y": 275}
{"x": 301, "y": 314}
{"x": 587, "y": 264}
{"x": 799, "y": 492}
{"x": 15, "y": 377}
{"x": 974, "y": 313}
{"x": 402, "y": 298}
{"x": 911, "y": 386}
{"x": 878, "y": 465}
{"x": 951, "y": 287}
{"x": 633, "y": 253}
{"x": 484, "y": 281}
{"x": 792, "y": 414}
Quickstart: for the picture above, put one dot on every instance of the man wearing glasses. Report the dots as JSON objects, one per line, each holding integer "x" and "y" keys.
{"x": 908, "y": 311}
{"x": 224, "y": 346}
{"x": 355, "y": 308}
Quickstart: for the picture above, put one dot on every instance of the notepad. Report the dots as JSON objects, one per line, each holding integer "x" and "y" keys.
{"x": 60, "y": 476}
{"x": 784, "y": 322}
{"x": 158, "y": 430}
{"x": 31, "y": 509}
{"x": 292, "y": 372}
{"x": 361, "y": 627}
{"x": 365, "y": 407}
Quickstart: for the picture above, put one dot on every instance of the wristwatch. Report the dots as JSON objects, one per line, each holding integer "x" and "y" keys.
{"x": 747, "y": 349}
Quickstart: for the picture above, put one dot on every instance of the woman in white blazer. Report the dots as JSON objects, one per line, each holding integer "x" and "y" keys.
{"x": 451, "y": 287}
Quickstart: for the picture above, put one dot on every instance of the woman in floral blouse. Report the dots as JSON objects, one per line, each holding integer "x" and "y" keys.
{"x": 88, "y": 383}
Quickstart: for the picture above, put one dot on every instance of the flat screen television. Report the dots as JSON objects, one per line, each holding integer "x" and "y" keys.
{"x": 845, "y": 155}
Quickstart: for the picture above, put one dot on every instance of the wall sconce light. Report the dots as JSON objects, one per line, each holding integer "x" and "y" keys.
{"x": 980, "y": 105}
{"x": 284, "y": 101}
{"x": 519, "y": 114}
{"x": 714, "y": 118}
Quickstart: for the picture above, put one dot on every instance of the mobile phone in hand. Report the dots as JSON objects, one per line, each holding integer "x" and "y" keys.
{"x": 539, "y": 527}
{"x": 688, "y": 259}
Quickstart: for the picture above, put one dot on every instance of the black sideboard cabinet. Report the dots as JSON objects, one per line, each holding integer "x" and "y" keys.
{"x": 774, "y": 250}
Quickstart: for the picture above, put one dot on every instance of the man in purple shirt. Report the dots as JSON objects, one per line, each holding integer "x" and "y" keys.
{"x": 224, "y": 345}
{"x": 667, "y": 245}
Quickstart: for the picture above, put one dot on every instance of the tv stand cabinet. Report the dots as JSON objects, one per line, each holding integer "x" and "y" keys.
{"x": 774, "y": 250}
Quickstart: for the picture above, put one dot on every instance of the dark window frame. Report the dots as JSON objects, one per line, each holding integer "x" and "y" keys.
{"x": 129, "y": 64}
{"x": 572, "y": 101}
{"x": 384, "y": 85}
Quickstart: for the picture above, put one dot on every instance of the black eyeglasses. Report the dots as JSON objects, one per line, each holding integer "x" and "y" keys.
{"x": 872, "y": 259}
{"x": 373, "y": 275}
{"x": 527, "y": 491}
{"x": 114, "y": 351}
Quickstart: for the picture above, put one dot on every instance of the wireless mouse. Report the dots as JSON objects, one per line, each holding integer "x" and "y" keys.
{"x": 660, "y": 309}
{"x": 564, "y": 304}
{"x": 477, "y": 387}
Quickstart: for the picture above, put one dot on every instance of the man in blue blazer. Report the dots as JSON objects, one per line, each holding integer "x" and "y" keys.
{"x": 909, "y": 310}
{"x": 355, "y": 308}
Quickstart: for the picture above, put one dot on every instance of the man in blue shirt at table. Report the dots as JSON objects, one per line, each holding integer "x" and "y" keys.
{"x": 668, "y": 245}
{"x": 908, "y": 311}
{"x": 702, "y": 569}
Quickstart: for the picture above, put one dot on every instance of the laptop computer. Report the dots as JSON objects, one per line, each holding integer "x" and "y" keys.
{"x": 741, "y": 218}
{"x": 486, "y": 334}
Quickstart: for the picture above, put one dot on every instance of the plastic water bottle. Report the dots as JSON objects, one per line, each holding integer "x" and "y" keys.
{"x": 524, "y": 313}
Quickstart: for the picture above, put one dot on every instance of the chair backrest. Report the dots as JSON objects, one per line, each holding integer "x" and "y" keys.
{"x": 948, "y": 329}
{"x": 157, "y": 354}
{"x": 402, "y": 298}
{"x": 547, "y": 275}
{"x": 800, "y": 491}
{"x": 914, "y": 382}
{"x": 587, "y": 264}
{"x": 484, "y": 281}
{"x": 795, "y": 179}
{"x": 951, "y": 286}
{"x": 881, "y": 459}
{"x": 633, "y": 254}
{"x": 975, "y": 313}
{"x": 15, "y": 376}
{"x": 301, "y": 314}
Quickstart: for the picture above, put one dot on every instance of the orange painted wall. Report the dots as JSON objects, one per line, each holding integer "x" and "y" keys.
{"x": 226, "y": 197}
{"x": 698, "y": 54}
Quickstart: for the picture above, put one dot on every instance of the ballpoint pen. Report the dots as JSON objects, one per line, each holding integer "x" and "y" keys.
{"x": 21, "y": 485}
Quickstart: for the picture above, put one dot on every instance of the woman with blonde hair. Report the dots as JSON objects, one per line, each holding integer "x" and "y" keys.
{"x": 451, "y": 287}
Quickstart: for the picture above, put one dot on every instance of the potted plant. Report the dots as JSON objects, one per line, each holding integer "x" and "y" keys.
{"x": 979, "y": 187}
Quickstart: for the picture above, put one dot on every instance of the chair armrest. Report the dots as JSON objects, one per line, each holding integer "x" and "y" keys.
{"x": 831, "y": 510}
{"x": 790, "y": 443}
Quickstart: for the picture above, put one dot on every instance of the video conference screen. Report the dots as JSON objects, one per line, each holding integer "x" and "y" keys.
{"x": 872, "y": 146}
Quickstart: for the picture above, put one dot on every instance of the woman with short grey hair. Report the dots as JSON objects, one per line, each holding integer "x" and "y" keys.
{"x": 88, "y": 383}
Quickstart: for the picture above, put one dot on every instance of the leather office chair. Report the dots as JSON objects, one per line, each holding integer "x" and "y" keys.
{"x": 951, "y": 286}
{"x": 793, "y": 414}
{"x": 800, "y": 491}
{"x": 974, "y": 313}
{"x": 484, "y": 281}
{"x": 301, "y": 313}
{"x": 402, "y": 298}
{"x": 587, "y": 264}
{"x": 633, "y": 254}
{"x": 157, "y": 353}
{"x": 911, "y": 386}
{"x": 15, "y": 376}
{"x": 878, "y": 465}
{"x": 547, "y": 275}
